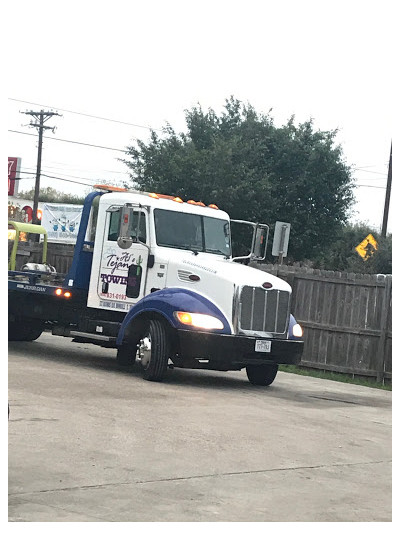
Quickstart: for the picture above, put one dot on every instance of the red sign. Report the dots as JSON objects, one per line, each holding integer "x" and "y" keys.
{"x": 14, "y": 164}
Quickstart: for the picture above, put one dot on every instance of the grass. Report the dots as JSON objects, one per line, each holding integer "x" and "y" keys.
{"x": 336, "y": 376}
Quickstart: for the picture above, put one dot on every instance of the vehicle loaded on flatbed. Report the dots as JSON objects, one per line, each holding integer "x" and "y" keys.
{"x": 154, "y": 277}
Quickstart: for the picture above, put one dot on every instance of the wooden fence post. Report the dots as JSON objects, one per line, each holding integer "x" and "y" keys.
{"x": 384, "y": 328}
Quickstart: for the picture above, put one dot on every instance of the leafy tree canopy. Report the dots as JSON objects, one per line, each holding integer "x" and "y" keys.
{"x": 50, "y": 195}
{"x": 254, "y": 170}
{"x": 342, "y": 254}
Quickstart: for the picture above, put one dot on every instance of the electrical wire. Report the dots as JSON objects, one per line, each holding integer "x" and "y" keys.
{"x": 69, "y": 141}
{"x": 371, "y": 186}
{"x": 66, "y": 175}
{"x": 360, "y": 169}
{"x": 92, "y": 182}
{"x": 87, "y": 115}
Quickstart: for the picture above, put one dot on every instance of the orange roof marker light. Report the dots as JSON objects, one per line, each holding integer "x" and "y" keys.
{"x": 166, "y": 196}
{"x": 179, "y": 200}
{"x": 192, "y": 202}
{"x": 109, "y": 188}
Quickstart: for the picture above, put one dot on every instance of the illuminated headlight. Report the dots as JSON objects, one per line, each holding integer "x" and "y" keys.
{"x": 199, "y": 320}
{"x": 297, "y": 331}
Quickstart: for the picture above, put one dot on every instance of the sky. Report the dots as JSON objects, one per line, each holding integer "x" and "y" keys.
{"x": 114, "y": 70}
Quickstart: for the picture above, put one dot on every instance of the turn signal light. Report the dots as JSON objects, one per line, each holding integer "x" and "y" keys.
{"x": 59, "y": 292}
{"x": 185, "y": 318}
{"x": 199, "y": 320}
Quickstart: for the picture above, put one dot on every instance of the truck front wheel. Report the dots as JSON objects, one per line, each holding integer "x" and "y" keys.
{"x": 154, "y": 351}
{"x": 262, "y": 375}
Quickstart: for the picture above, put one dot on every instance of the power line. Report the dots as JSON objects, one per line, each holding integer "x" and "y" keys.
{"x": 370, "y": 179}
{"x": 370, "y": 171}
{"x": 87, "y": 115}
{"x": 371, "y": 186}
{"x": 74, "y": 142}
{"x": 92, "y": 182}
{"x": 71, "y": 176}
{"x": 67, "y": 167}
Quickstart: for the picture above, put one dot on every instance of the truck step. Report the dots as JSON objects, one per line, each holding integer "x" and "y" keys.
{"x": 93, "y": 336}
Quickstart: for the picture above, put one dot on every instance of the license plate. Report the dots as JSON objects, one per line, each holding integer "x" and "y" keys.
{"x": 263, "y": 346}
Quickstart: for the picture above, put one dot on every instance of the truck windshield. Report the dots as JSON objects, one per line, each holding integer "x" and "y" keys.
{"x": 192, "y": 232}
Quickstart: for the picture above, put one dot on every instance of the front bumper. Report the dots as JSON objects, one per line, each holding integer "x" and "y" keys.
{"x": 232, "y": 352}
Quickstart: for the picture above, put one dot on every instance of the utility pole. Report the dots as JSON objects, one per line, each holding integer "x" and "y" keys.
{"x": 387, "y": 198}
{"x": 40, "y": 118}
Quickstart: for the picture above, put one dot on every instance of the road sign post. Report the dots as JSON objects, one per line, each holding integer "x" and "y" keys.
{"x": 281, "y": 240}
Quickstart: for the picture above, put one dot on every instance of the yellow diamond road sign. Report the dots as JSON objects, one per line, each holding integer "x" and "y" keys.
{"x": 367, "y": 247}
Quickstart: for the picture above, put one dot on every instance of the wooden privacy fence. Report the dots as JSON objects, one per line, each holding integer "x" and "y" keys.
{"x": 347, "y": 319}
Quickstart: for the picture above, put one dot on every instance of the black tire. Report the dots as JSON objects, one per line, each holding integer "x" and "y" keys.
{"x": 126, "y": 355}
{"x": 262, "y": 375}
{"x": 158, "y": 351}
{"x": 25, "y": 330}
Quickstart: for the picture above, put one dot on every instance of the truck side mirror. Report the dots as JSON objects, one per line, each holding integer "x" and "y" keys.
{"x": 124, "y": 239}
{"x": 260, "y": 242}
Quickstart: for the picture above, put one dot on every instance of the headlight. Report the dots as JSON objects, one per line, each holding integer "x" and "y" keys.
{"x": 297, "y": 331}
{"x": 198, "y": 320}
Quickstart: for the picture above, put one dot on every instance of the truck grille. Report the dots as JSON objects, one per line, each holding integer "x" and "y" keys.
{"x": 263, "y": 310}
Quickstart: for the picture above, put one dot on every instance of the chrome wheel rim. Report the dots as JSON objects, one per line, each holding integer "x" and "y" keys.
{"x": 145, "y": 351}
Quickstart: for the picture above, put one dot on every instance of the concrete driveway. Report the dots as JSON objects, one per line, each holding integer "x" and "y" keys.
{"x": 91, "y": 442}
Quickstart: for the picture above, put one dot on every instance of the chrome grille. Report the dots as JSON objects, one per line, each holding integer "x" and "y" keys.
{"x": 263, "y": 310}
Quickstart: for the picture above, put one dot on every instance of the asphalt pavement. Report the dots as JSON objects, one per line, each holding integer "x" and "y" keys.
{"x": 91, "y": 442}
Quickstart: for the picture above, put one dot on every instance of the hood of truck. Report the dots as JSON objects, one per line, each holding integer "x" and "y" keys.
{"x": 207, "y": 267}
{"x": 216, "y": 278}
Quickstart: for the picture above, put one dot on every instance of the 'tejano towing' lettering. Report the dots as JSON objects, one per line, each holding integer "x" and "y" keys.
{"x": 154, "y": 278}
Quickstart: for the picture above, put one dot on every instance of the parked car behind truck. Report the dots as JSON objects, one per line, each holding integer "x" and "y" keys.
{"x": 154, "y": 277}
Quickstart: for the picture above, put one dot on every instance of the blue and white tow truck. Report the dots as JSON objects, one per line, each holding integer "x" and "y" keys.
{"x": 154, "y": 277}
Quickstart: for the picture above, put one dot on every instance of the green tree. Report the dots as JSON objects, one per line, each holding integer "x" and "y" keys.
{"x": 50, "y": 195}
{"x": 252, "y": 169}
{"x": 342, "y": 254}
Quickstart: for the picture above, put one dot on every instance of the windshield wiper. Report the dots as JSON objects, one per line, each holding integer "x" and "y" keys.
{"x": 182, "y": 247}
{"x": 215, "y": 251}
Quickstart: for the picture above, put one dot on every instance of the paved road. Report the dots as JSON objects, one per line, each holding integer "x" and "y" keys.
{"x": 91, "y": 442}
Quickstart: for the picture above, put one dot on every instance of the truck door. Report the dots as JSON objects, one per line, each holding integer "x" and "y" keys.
{"x": 122, "y": 272}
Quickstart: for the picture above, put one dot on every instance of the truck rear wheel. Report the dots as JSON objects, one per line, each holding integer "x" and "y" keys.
{"x": 262, "y": 375}
{"x": 154, "y": 351}
{"x": 25, "y": 329}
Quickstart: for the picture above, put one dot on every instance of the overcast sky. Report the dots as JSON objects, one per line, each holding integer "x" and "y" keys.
{"x": 143, "y": 63}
